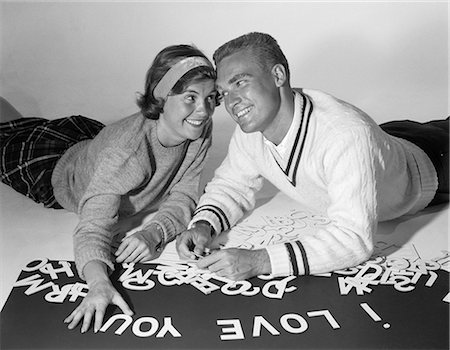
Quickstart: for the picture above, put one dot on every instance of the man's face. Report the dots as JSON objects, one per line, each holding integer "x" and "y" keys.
{"x": 249, "y": 93}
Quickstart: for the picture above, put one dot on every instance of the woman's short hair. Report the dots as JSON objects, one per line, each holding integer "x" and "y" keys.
{"x": 263, "y": 46}
{"x": 151, "y": 107}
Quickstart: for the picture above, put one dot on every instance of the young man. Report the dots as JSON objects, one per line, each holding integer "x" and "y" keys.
{"x": 318, "y": 150}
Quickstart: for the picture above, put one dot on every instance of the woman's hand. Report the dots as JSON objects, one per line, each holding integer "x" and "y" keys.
{"x": 140, "y": 246}
{"x": 101, "y": 293}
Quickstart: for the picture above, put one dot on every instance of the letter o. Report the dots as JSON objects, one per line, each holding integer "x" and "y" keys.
{"x": 137, "y": 327}
{"x": 40, "y": 263}
{"x": 235, "y": 288}
{"x": 284, "y": 321}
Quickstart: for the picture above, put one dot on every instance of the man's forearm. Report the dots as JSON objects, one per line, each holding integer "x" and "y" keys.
{"x": 262, "y": 261}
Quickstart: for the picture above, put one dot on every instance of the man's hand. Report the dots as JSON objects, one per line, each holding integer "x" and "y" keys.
{"x": 138, "y": 247}
{"x": 101, "y": 293}
{"x": 193, "y": 242}
{"x": 237, "y": 264}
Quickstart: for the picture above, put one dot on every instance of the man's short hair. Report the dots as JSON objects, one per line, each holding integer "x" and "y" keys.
{"x": 264, "y": 47}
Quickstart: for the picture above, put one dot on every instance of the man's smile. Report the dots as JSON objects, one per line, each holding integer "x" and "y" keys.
{"x": 243, "y": 112}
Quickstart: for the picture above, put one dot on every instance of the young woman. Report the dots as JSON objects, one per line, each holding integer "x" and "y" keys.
{"x": 151, "y": 160}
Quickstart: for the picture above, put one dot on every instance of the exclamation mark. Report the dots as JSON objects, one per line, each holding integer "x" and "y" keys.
{"x": 373, "y": 314}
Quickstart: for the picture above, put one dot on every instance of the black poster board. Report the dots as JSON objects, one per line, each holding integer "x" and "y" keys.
{"x": 308, "y": 312}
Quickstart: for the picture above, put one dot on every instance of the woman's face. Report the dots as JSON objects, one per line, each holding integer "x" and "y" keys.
{"x": 186, "y": 114}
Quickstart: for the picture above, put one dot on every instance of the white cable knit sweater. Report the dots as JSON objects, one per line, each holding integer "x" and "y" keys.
{"x": 337, "y": 160}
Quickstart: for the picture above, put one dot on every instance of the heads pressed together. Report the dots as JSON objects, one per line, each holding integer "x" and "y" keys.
{"x": 182, "y": 88}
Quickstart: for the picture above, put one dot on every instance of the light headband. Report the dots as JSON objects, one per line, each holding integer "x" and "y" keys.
{"x": 174, "y": 74}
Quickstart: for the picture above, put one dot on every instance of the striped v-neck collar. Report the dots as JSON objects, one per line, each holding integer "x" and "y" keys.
{"x": 294, "y": 155}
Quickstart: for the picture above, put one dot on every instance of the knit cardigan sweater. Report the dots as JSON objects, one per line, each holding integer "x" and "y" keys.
{"x": 122, "y": 171}
{"x": 337, "y": 161}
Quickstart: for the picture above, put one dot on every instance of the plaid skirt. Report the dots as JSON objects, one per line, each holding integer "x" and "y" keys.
{"x": 31, "y": 147}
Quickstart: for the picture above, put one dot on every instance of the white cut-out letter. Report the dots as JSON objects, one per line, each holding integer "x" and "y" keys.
{"x": 261, "y": 321}
{"x": 39, "y": 264}
{"x": 284, "y": 321}
{"x": 235, "y": 288}
{"x": 127, "y": 319}
{"x": 280, "y": 287}
{"x": 58, "y": 295}
{"x": 137, "y": 327}
{"x": 433, "y": 277}
{"x": 77, "y": 291}
{"x": 34, "y": 283}
{"x": 53, "y": 272}
{"x": 168, "y": 327}
{"x": 327, "y": 315}
{"x": 235, "y": 331}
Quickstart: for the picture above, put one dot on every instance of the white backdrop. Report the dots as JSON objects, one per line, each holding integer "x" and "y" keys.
{"x": 90, "y": 58}
{"x": 59, "y": 58}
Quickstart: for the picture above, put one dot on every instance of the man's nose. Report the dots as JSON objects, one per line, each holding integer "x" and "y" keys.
{"x": 232, "y": 99}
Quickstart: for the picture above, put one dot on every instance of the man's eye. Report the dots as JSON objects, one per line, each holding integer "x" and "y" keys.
{"x": 240, "y": 83}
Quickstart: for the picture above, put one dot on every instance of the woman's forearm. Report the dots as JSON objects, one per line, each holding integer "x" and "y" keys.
{"x": 95, "y": 271}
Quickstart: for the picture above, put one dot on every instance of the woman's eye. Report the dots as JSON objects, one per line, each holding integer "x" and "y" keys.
{"x": 190, "y": 98}
{"x": 240, "y": 83}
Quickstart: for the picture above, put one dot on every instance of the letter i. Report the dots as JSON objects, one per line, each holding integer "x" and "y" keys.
{"x": 373, "y": 314}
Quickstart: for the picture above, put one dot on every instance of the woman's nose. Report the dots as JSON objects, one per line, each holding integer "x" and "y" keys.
{"x": 202, "y": 109}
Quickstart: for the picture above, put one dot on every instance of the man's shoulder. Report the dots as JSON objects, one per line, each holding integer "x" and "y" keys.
{"x": 320, "y": 98}
{"x": 332, "y": 109}
{"x": 312, "y": 92}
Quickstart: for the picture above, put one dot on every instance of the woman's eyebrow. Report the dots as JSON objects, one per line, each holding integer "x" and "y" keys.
{"x": 191, "y": 91}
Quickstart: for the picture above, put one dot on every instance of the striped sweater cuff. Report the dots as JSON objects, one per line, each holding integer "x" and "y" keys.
{"x": 164, "y": 226}
{"x": 279, "y": 260}
{"x": 153, "y": 226}
{"x": 212, "y": 214}
{"x": 288, "y": 259}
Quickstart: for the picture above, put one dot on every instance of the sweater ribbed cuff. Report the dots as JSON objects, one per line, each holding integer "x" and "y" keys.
{"x": 154, "y": 227}
{"x": 279, "y": 260}
{"x": 166, "y": 226}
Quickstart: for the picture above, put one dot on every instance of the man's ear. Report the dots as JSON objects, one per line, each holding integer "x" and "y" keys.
{"x": 279, "y": 74}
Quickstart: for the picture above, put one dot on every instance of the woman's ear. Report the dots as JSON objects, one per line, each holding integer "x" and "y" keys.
{"x": 279, "y": 74}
